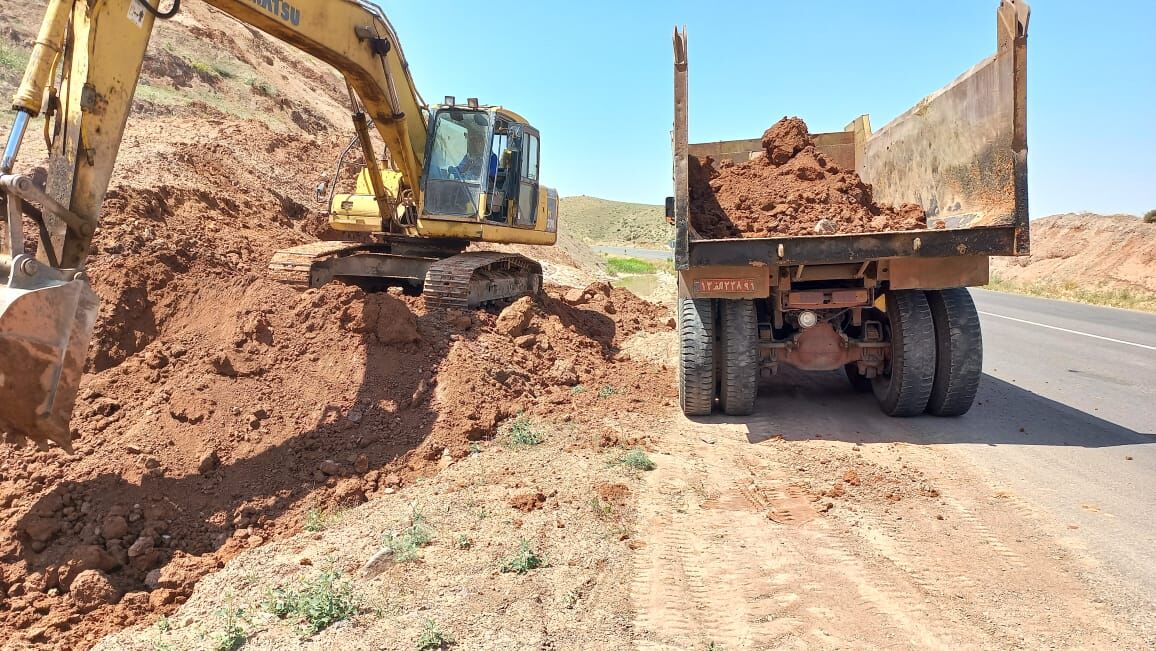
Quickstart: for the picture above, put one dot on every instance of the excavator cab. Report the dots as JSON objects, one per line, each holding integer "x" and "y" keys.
{"x": 481, "y": 180}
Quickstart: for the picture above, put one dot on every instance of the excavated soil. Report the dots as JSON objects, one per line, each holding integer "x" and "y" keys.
{"x": 789, "y": 189}
{"x": 221, "y": 406}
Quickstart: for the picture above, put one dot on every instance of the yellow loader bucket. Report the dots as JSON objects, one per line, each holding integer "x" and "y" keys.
{"x": 45, "y": 326}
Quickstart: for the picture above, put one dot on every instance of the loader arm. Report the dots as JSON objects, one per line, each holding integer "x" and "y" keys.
{"x": 82, "y": 73}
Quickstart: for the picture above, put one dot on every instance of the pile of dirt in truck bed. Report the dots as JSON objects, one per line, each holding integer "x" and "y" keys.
{"x": 221, "y": 406}
{"x": 788, "y": 189}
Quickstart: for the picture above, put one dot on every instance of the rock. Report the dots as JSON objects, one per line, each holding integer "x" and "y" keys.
{"x": 526, "y": 341}
{"x": 152, "y": 579}
{"x": 232, "y": 366}
{"x": 208, "y": 462}
{"x": 189, "y": 409}
{"x": 183, "y": 572}
{"x": 562, "y": 372}
{"x": 41, "y": 529}
{"x": 113, "y": 526}
{"x": 670, "y": 323}
{"x": 92, "y": 589}
{"x": 349, "y": 492}
{"x": 600, "y": 287}
{"x": 514, "y": 320}
{"x": 459, "y": 320}
{"x": 161, "y": 597}
{"x": 851, "y": 477}
{"x": 83, "y": 558}
{"x": 526, "y": 502}
{"x": 361, "y": 464}
{"x": 391, "y": 480}
{"x": 105, "y": 406}
{"x": 330, "y": 467}
{"x": 142, "y": 546}
{"x": 826, "y": 227}
{"x": 575, "y": 296}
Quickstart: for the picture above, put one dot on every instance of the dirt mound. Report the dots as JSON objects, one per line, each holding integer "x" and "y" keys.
{"x": 1089, "y": 250}
{"x": 789, "y": 189}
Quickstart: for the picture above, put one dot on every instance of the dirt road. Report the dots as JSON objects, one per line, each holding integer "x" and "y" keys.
{"x": 1021, "y": 525}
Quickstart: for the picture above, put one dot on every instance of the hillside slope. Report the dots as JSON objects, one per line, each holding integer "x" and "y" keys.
{"x": 601, "y": 221}
{"x": 1085, "y": 256}
{"x": 220, "y": 408}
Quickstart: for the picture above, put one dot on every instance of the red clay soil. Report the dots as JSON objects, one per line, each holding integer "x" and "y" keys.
{"x": 220, "y": 406}
{"x": 789, "y": 189}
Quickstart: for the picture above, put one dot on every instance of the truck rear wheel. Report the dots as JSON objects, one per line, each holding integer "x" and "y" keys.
{"x": 739, "y": 373}
{"x": 696, "y": 380}
{"x": 859, "y": 382}
{"x": 905, "y": 385}
{"x": 958, "y": 352}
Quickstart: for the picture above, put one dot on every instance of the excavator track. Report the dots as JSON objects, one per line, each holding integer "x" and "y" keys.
{"x": 473, "y": 278}
{"x": 295, "y": 266}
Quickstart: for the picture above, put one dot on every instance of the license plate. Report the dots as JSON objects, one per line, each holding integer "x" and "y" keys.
{"x": 724, "y": 285}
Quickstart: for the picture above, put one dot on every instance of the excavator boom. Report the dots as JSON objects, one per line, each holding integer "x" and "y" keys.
{"x": 83, "y": 72}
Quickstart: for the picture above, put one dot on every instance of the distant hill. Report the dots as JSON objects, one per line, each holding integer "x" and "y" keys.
{"x": 600, "y": 221}
{"x": 1083, "y": 256}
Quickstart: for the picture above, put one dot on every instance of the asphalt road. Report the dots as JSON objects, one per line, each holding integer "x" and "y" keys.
{"x": 1081, "y": 383}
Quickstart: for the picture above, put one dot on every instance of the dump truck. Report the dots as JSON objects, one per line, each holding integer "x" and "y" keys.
{"x": 891, "y": 309}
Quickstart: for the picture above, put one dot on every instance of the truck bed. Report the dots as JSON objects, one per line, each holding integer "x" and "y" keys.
{"x": 960, "y": 153}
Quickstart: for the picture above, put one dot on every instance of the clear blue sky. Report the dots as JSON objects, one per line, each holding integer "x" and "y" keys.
{"x": 595, "y": 77}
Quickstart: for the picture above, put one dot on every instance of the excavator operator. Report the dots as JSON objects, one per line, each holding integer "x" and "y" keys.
{"x": 470, "y": 168}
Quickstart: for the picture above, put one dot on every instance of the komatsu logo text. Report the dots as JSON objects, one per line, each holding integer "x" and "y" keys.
{"x": 281, "y": 9}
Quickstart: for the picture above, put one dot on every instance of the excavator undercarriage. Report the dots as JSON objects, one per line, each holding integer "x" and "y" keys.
{"x": 438, "y": 269}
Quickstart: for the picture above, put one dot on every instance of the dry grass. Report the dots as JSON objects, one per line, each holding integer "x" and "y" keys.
{"x": 1128, "y": 298}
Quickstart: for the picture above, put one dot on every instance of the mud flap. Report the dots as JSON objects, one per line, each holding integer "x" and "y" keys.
{"x": 45, "y": 327}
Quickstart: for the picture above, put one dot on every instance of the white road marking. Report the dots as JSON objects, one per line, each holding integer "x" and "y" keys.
{"x": 1074, "y": 332}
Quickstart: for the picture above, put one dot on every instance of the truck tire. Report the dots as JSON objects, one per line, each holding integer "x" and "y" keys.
{"x": 859, "y": 383}
{"x": 739, "y": 372}
{"x": 696, "y": 355}
{"x": 958, "y": 352}
{"x": 903, "y": 390}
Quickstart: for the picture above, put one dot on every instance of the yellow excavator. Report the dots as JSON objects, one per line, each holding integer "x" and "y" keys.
{"x": 451, "y": 174}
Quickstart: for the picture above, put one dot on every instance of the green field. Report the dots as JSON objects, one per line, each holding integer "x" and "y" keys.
{"x": 600, "y": 221}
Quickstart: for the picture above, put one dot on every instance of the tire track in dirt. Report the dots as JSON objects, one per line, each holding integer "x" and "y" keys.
{"x": 759, "y": 572}
{"x": 746, "y": 546}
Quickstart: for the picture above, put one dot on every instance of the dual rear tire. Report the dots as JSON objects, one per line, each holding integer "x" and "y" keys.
{"x": 718, "y": 356}
{"x": 936, "y": 354}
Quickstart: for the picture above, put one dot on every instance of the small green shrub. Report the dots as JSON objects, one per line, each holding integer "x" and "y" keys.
{"x": 638, "y": 460}
{"x": 577, "y": 388}
{"x": 315, "y": 520}
{"x": 232, "y": 635}
{"x": 463, "y": 542}
{"x": 607, "y": 390}
{"x": 524, "y": 560}
{"x": 317, "y": 603}
{"x": 13, "y": 58}
{"x": 524, "y": 431}
{"x": 600, "y": 508}
{"x": 262, "y": 87}
{"x": 433, "y": 638}
{"x": 1150, "y": 217}
{"x": 404, "y": 544}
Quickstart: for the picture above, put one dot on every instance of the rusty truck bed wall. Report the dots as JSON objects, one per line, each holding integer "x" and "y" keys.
{"x": 961, "y": 153}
